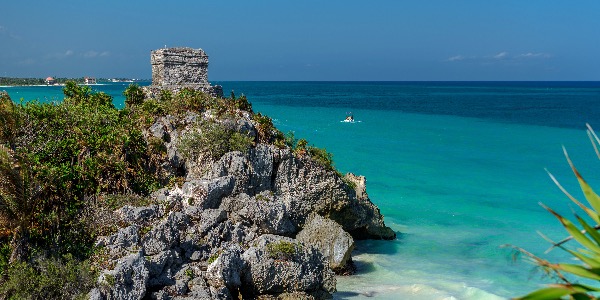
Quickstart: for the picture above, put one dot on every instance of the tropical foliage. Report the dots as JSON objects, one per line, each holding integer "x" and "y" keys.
{"x": 65, "y": 167}
{"x": 585, "y": 232}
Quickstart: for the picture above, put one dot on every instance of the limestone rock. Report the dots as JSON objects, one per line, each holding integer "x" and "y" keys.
{"x": 121, "y": 242}
{"x": 226, "y": 269}
{"x": 252, "y": 171}
{"x": 307, "y": 187}
{"x": 207, "y": 193}
{"x": 263, "y": 211}
{"x": 138, "y": 215}
{"x": 303, "y": 270}
{"x": 329, "y": 238}
{"x": 128, "y": 280}
{"x": 165, "y": 235}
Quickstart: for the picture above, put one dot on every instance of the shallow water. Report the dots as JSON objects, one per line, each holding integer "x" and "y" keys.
{"x": 456, "y": 168}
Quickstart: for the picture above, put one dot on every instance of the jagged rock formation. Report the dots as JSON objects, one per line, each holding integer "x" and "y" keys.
{"x": 265, "y": 223}
{"x": 208, "y": 238}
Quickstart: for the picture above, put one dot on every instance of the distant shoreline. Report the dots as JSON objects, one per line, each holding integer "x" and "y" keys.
{"x": 46, "y": 85}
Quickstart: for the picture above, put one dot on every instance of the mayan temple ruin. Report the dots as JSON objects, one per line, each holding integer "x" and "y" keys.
{"x": 180, "y": 67}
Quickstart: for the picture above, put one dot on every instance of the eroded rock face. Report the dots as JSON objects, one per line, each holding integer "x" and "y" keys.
{"x": 127, "y": 281}
{"x": 273, "y": 270}
{"x": 213, "y": 237}
{"x": 329, "y": 238}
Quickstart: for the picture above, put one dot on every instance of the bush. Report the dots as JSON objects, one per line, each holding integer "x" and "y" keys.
{"x": 134, "y": 95}
{"x": 283, "y": 250}
{"x": 322, "y": 157}
{"x": 264, "y": 126}
{"x": 51, "y": 278}
{"x": 212, "y": 140}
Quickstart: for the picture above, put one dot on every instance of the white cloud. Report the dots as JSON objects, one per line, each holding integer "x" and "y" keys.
{"x": 501, "y": 55}
{"x": 456, "y": 58}
{"x": 69, "y": 53}
{"x": 534, "y": 55}
{"x": 92, "y": 54}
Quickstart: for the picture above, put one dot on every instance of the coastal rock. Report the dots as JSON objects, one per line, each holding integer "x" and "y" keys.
{"x": 252, "y": 171}
{"x": 165, "y": 235}
{"x": 307, "y": 187}
{"x": 121, "y": 242}
{"x": 207, "y": 193}
{"x": 138, "y": 215}
{"x": 226, "y": 269}
{"x": 262, "y": 211}
{"x": 279, "y": 265}
{"x": 127, "y": 281}
{"x": 329, "y": 238}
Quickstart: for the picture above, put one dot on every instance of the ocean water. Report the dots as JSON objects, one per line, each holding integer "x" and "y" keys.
{"x": 456, "y": 168}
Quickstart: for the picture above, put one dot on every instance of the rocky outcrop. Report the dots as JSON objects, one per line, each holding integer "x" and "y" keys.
{"x": 266, "y": 223}
{"x": 279, "y": 265}
{"x": 329, "y": 238}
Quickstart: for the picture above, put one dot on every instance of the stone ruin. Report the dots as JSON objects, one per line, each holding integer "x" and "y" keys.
{"x": 177, "y": 68}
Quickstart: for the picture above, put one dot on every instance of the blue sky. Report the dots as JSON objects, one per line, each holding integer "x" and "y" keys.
{"x": 307, "y": 40}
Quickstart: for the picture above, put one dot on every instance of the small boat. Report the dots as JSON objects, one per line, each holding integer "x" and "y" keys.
{"x": 349, "y": 118}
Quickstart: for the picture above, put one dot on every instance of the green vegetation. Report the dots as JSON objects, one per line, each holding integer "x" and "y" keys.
{"x": 283, "y": 250}
{"x": 64, "y": 278}
{"x": 300, "y": 147}
{"x": 213, "y": 257}
{"x": 212, "y": 140}
{"x": 65, "y": 167}
{"x": 588, "y": 253}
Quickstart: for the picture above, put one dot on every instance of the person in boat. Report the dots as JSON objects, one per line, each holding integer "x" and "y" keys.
{"x": 349, "y": 118}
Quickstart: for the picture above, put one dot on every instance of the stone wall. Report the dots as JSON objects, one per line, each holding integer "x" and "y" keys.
{"x": 177, "y": 68}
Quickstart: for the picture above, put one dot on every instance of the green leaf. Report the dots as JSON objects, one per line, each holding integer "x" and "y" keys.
{"x": 574, "y": 231}
{"x": 592, "y": 261}
{"x": 589, "y": 229}
{"x": 549, "y": 293}
{"x": 588, "y": 192}
{"x": 579, "y": 270}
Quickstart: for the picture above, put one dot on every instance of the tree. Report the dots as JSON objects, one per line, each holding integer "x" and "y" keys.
{"x": 134, "y": 95}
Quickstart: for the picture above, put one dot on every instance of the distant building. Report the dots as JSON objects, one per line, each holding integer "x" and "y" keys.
{"x": 89, "y": 80}
{"x": 50, "y": 81}
{"x": 181, "y": 67}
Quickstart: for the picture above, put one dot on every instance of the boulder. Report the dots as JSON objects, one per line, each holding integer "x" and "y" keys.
{"x": 165, "y": 235}
{"x": 262, "y": 210}
{"x": 121, "y": 242}
{"x": 279, "y": 265}
{"x": 226, "y": 270}
{"x": 329, "y": 238}
{"x": 306, "y": 187}
{"x": 252, "y": 171}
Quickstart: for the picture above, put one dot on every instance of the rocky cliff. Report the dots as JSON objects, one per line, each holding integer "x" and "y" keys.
{"x": 265, "y": 223}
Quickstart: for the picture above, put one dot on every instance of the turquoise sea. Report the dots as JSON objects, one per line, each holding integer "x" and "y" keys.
{"x": 457, "y": 168}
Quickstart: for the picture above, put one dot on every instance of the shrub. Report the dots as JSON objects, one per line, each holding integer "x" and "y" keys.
{"x": 212, "y": 140}
{"x": 51, "y": 278}
{"x": 322, "y": 157}
{"x": 134, "y": 95}
{"x": 8, "y": 118}
{"x": 264, "y": 126}
{"x": 588, "y": 255}
{"x": 282, "y": 250}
